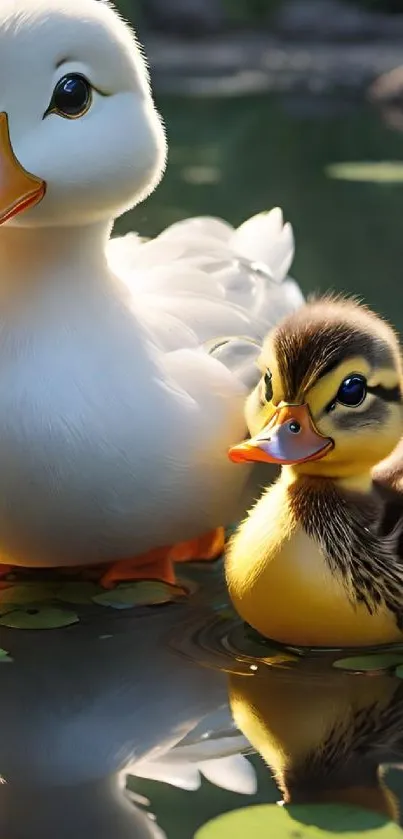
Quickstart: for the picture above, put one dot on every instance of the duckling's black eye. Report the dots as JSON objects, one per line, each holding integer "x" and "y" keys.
{"x": 352, "y": 391}
{"x": 268, "y": 387}
{"x": 71, "y": 97}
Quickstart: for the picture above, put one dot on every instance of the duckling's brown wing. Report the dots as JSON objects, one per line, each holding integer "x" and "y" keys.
{"x": 388, "y": 482}
{"x": 392, "y": 512}
{"x": 389, "y": 472}
{"x": 346, "y": 766}
{"x": 370, "y": 733}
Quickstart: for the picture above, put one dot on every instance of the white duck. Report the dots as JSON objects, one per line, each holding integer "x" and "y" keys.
{"x": 115, "y": 420}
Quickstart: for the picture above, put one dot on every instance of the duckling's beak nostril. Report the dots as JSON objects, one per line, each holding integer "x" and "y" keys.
{"x": 19, "y": 190}
{"x": 290, "y": 437}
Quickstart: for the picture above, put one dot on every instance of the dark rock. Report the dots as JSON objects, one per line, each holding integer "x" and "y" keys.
{"x": 185, "y": 17}
{"x": 390, "y": 26}
{"x": 326, "y": 20}
{"x": 388, "y": 88}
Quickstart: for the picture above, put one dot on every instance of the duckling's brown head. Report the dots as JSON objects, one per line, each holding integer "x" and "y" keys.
{"x": 330, "y": 400}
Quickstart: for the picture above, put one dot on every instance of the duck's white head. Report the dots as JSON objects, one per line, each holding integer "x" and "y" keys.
{"x": 80, "y": 138}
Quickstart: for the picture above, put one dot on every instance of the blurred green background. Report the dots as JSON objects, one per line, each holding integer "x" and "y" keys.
{"x": 235, "y": 157}
{"x": 249, "y": 11}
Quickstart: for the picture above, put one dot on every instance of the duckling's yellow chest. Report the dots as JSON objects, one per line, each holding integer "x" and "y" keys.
{"x": 281, "y": 583}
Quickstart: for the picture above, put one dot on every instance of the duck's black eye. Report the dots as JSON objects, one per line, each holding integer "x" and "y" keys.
{"x": 352, "y": 391}
{"x": 71, "y": 97}
{"x": 268, "y": 387}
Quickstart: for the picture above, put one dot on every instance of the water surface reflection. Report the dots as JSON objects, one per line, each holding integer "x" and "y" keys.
{"x": 81, "y": 706}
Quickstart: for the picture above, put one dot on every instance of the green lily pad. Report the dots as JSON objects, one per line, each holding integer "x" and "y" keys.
{"x": 25, "y": 593}
{"x": 376, "y": 171}
{"x": 399, "y": 672}
{"x": 143, "y": 593}
{"x": 313, "y": 821}
{"x": 38, "y": 619}
{"x": 81, "y": 592}
{"x": 381, "y": 661}
{"x": 226, "y": 613}
{"x": 5, "y": 657}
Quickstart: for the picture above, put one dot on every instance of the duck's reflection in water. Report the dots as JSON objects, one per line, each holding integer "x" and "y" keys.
{"x": 80, "y": 706}
{"x": 326, "y": 736}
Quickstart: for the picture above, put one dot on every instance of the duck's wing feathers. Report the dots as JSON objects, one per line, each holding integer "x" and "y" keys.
{"x": 214, "y": 749}
{"x": 203, "y": 284}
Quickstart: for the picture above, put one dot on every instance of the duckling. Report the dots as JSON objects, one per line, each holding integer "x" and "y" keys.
{"x": 314, "y": 563}
{"x": 116, "y": 412}
{"x": 324, "y": 735}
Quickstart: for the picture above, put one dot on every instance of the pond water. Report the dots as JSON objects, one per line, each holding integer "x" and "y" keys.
{"x": 322, "y": 723}
{"x": 143, "y": 680}
{"x": 232, "y": 158}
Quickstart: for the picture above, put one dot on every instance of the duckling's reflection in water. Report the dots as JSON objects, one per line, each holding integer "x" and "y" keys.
{"x": 325, "y": 736}
{"x": 79, "y": 708}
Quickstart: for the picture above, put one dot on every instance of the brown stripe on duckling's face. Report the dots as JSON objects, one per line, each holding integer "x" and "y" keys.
{"x": 336, "y": 366}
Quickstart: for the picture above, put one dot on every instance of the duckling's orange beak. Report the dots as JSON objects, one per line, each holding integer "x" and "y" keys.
{"x": 18, "y": 188}
{"x": 290, "y": 437}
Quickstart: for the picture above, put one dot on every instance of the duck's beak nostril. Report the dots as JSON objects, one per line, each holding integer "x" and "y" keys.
{"x": 291, "y": 440}
{"x": 294, "y": 427}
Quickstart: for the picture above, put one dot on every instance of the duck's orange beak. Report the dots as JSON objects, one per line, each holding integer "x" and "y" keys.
{"x": 18, "y": 188}
{"x": 290, "y": 437}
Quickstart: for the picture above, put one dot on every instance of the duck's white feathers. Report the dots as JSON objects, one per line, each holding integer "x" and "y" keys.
{"x": 116, "y": 428}
{"x": 122, "y": 382}
{"x": 205, "y": 284}
{"x": 214, "y": 749}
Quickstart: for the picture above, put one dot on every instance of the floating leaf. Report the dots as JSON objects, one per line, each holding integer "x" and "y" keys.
{"x": 280, "y": 658}
{"x": 226, "y": 613}
{"x": 38, "y": 619}
{"x": 259, "y": 646}
{"x": 17, "y": 595}
{"x": 78, "y": 592}
{"x": 399, "y": 672}
{"x": 364, "y": 663}
{"x": 380, "y": 172}
{"x": 142, "y": 593}
{"x": 313, "y": 821}
{"x": 5, "y": 657}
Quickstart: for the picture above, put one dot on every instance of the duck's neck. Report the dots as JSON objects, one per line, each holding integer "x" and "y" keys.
{"x": 33, "y": 259}
{"x": 357, "y": 482}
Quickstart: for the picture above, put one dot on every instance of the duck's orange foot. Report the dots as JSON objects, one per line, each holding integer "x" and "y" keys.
{"x": 208, "y": 547}
{"x": 153, "y": 565}
{"x": 5, "y": 571}
{"x": 158, "y": 564}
